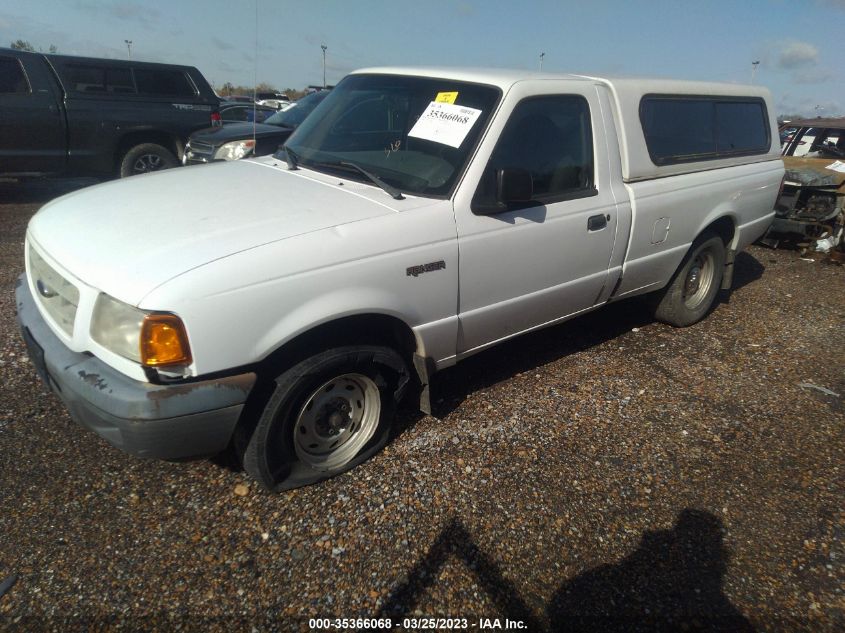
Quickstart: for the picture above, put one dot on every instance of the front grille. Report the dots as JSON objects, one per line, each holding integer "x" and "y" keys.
{"x": 56, "y": 294}
{"x": 199, "y": 147}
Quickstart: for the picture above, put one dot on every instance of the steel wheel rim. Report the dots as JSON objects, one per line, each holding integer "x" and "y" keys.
{"x": 147, "y": 162}
{"x": 699, "y": 279}
{"x": 336, "y": 421}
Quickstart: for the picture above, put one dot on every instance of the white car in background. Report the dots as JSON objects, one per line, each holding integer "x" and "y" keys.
{"x": 272, "y": 99}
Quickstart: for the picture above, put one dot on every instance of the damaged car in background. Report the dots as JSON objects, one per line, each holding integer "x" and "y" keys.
{"x": 810, "y": 210}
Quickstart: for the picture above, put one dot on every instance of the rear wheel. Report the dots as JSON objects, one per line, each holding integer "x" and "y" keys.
{"x": 146, "y": 158}
{"x": 326, "y": 415}
{"x": 694, "y": 287}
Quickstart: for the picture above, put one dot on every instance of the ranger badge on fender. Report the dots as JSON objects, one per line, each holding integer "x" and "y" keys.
{"x": 415, "y": 271}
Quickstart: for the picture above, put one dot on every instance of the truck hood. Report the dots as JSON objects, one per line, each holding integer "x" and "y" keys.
{"x": 128, "y": 237}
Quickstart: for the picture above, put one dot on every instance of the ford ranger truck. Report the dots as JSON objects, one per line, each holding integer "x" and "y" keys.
{"x": 418, "y": 217}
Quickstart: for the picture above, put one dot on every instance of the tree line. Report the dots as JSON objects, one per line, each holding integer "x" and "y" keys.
{"x": 24, "y": 45}
{"x": 228, "y": 90}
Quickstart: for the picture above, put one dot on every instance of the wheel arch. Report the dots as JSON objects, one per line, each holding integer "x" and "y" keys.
{"x": 727, "y": 228}
{"x": 139, "y": 137}
{"x": 360, "y": 328}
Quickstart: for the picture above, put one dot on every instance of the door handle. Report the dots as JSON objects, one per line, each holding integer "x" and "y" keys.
{"x": 597, "y": 222}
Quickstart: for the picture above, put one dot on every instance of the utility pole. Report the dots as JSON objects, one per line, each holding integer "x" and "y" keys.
{"x": 754, "y": 69}
{"x": 129, "y": 47}
{"x": 324, "y": 47}
{"x": 542, "y": 55}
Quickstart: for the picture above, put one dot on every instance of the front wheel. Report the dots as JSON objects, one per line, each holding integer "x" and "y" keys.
{"x": 326, "y": 415}
{"x": 693, "y": 289}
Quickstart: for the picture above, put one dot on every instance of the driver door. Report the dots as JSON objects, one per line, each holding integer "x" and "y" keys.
{"x": 527, "y": 264}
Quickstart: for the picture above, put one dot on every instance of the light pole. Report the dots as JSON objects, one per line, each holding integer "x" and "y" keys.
{"x": 324, "y": 47}
{"x": 129, "y": 47}
{"x": 754, "y": 69}
{"x": 542, "y": 55}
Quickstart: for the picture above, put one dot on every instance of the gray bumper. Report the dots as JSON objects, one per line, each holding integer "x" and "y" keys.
{"x": 164, "y": 421}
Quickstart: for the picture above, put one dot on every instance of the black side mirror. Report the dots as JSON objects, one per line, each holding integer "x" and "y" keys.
{"x": 514, "y": 185}
{"x": 513, "y": 188}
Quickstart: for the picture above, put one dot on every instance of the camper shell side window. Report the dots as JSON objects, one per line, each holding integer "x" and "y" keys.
{"x": 688, "y": 128}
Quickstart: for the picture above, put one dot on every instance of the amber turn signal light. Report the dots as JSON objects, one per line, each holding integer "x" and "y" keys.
{"x": 164, "y": 341}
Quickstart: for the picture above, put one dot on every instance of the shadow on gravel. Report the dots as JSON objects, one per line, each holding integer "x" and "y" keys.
{"x": 528, "y": 352}
{"x": 747, "y": 269}
{"x": 454, "y": 540}
{"x": 672, "y": 582}
{"x": 40, "y": 190}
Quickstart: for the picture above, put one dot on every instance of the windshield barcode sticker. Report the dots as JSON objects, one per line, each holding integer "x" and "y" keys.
{"x": 445, "y": 123}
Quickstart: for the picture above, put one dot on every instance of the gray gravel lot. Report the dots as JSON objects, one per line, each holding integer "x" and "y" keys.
{"x": 609, "y": 474}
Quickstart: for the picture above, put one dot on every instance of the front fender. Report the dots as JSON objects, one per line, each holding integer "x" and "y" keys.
{"x": 241, "y": 308}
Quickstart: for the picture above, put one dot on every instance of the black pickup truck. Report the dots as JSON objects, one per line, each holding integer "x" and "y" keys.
{"x": 97, "y": 117}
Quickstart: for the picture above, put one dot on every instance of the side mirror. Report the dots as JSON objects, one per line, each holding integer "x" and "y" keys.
{"x": 514, "y": 185}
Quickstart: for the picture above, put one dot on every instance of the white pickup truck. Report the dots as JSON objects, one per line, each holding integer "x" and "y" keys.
{"x": 283, "y": 305}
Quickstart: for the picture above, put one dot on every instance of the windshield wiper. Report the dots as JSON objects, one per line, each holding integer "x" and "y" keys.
{"x": 389, "y": 189}
{"x": 290, "y": 158}
{"x": 293, "y": 163}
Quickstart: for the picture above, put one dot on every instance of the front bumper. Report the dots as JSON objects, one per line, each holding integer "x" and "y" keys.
{"x": 180, "y": 420}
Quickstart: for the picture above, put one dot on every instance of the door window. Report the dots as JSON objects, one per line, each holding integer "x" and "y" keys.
{"x": 820, "y": 143}
{"x": 802, "y": 145}
{"x": 12, "y": 79}
{"x": 551, "y": 139}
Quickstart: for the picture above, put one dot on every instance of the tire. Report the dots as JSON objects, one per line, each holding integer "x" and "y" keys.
{"x": 146, "y": 157}
{"x": 327, "y": 414}
{"x": 694, "y": 286}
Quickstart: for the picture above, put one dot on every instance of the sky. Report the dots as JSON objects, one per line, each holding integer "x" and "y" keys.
{"x": 800, "y": 44}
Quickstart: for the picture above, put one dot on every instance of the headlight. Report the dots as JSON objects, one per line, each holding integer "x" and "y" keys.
{"x": 117, "y": 327}
{"x": 234, "y": 150}
{"x": 154, "y": 340}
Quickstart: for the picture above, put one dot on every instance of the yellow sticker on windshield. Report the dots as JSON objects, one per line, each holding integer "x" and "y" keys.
{"x": 446, "y": 97}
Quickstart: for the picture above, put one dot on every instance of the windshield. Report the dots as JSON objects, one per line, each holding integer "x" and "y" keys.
{"x": 296, "y": 113}
{"x": 414, "y": 133}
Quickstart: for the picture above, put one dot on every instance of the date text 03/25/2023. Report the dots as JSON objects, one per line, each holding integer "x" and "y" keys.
{"x": 416, "y": 624}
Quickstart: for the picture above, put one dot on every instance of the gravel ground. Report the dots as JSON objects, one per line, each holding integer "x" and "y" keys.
{"x": 609, "y": 474}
